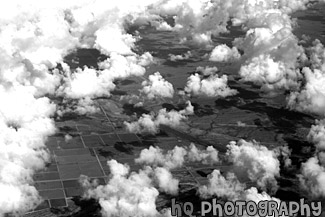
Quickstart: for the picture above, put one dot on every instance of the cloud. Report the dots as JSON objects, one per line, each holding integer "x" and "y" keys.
{"x": 155, "y": 157}
{"x": 316, "y": 54}
{"x": 208, "y": 156}
{"x": 222, "y": 53}
{"x": 271, "y": 75}
{"x": 90, "y": 82}
{"x": 125, "y": 194}
{"x": 80, "y": 106}
{"x": 284, "y": 153}
{"x": 157, "y": 86}
{"x": 185, "y": 56}
{"x": 225, "y": 187}
{"x": 317, "y": 135}
{"x": 252, "y": 194}
{"x": 149, "y": 123}
{"x": 311, "y": 98}
{"x": 312, "y": 178}
{"x": 25, "y": 124}
{"x": 175, "y": 158}
{"x": 241, "y": 124}
{"x": 207, "y": 71}
{"x": 255, "y": 162}
{"x": 193, "y": 19}
{"x": 33, "y": 41}
{"x": 229, "y": 188}
{"x": 165, "y": 180}
{"x": 130, "y": 193}
{"x": 213, "y": 86}
{"x": 271, "y": 51}
{"x": 86, "y": 83}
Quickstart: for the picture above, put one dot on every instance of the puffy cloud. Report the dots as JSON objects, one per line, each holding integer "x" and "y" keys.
{"x": 271, "y": 51}
{"x": 85, "y": 83}
{"x": 208, "y": 156}
{"x": 206, "y": 71}
{"x": 255, "y": 162}
{"x": 157, "y": 86}
{"x": 271, "y": 75}
{"x": 311, "y": 98}
{"x": 119, "y": 67}
{"x": 222, "y": 53}
{"x": 34, "y": 38}
{"x": 125, "y": 194}
{"x": 241, "y": 124}
{"x": 25, "y": 124}
{"x": 225, "y": 187}
{"x": 193, "y": 19}
{"x": 312, "y": 178}
{"x": 80, "y": 106}
{"x": 176, "y": 157}
{"x": 185, "y": 56}
{"x": 150, "y": 123}
{"x": 252, "y": 194}
{"x": 212, "y": 86}
{"x": 146, "y": 123}
{"x": 90, "y": 82}
{"x": 122, "y": 42}
{"x": 317, "y": 134}
{"x": 284, "y": 153}
{"x": 317, "y": 55}
{"x": 165, "y": 180}
{"x": 86, "y": 106}
{"x": 188, "y": 110}
{"x": 133, "y": 193}
{"x": 155, "y": 156}
{"x": 229, "y": 188}
{"x": 47, "y": 24}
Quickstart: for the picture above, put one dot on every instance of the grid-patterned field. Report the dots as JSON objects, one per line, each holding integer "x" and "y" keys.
{"x": 85, "y": 153}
